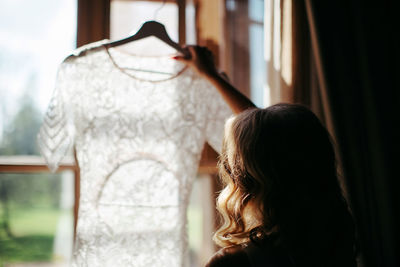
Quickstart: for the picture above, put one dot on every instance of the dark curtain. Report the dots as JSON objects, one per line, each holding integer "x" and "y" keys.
{"x": 352, "y": 49}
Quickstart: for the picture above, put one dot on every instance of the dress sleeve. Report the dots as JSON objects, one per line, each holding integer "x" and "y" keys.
{"x": 56, "y": 135}
{"x": 217, "y": 113}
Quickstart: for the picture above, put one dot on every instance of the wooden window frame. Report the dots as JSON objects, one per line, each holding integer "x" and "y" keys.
{"x": 36, "y": 164}
{"x": 93, "y": 24}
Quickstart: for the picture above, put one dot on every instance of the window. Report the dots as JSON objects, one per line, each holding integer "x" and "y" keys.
{"x": 36, "y": 217}
{"x": 33, "y": 43}
{"x": 36, "y": 207}
{"x": 128, "y": 16}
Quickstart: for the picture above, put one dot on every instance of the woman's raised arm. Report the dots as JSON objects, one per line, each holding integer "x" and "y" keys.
{"x": 201, "y": 60}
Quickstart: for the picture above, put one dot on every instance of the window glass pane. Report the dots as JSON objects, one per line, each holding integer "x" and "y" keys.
{"x": 190, "y": 21}
{"x": 256, "y": 48}
{"x": 201, "y": 220}
{"x": 195, "y": 223}
{"x": 256, "y": 10}
{"x": 36, "y": 219}
{"x": 34, "y": 38}
{"x": 245, "y": 32}
{"x": 128, "y": 16}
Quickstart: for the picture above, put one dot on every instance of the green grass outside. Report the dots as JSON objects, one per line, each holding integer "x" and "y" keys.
{"x": 38, "y": 221}
{"x": 30, "y": 248}
{"x": 33, "y": 231}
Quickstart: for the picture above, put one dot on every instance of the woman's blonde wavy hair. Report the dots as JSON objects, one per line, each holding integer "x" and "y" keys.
{"x": 240, "y": 210}
{"x": 278, "y": 170}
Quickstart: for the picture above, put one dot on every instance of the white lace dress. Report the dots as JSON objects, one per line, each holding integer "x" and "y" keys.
{"x": 138, "y": 138}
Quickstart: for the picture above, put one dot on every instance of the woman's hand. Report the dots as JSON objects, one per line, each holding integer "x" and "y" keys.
{"x": 200, "y": 59}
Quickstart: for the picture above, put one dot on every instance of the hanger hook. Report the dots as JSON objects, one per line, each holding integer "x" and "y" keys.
{"x": 158, "y": 9}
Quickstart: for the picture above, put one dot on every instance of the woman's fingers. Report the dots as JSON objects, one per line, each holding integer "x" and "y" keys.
{"x": 187, "y": 54}
{"x": 193, "y": 52}
{"x": 180, "y": 58}
{"x": 198, "y": 57}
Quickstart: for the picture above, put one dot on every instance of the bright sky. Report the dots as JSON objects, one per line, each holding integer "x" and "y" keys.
{"x": 35, "y": 36}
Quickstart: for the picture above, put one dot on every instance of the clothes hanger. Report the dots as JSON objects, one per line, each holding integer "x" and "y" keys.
{"x": 150, "y": 28}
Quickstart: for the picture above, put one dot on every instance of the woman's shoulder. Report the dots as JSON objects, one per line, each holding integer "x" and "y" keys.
{"x": 230, "y": 256}
{"x": 251, "y": 254}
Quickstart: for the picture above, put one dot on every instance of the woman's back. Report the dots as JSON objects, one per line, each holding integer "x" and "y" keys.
{"x": 280, "y": 179}
{"x": 251, "y": 254}
{"x": 279, "y": 175}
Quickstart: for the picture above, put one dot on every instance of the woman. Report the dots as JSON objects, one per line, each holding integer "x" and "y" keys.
{"x": 281, "y": 204}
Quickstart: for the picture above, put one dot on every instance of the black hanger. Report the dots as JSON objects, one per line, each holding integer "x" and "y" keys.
{"x": 150, "y": 28}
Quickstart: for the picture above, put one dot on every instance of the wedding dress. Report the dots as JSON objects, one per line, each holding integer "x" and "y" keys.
{"x": 138, "y": 138}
